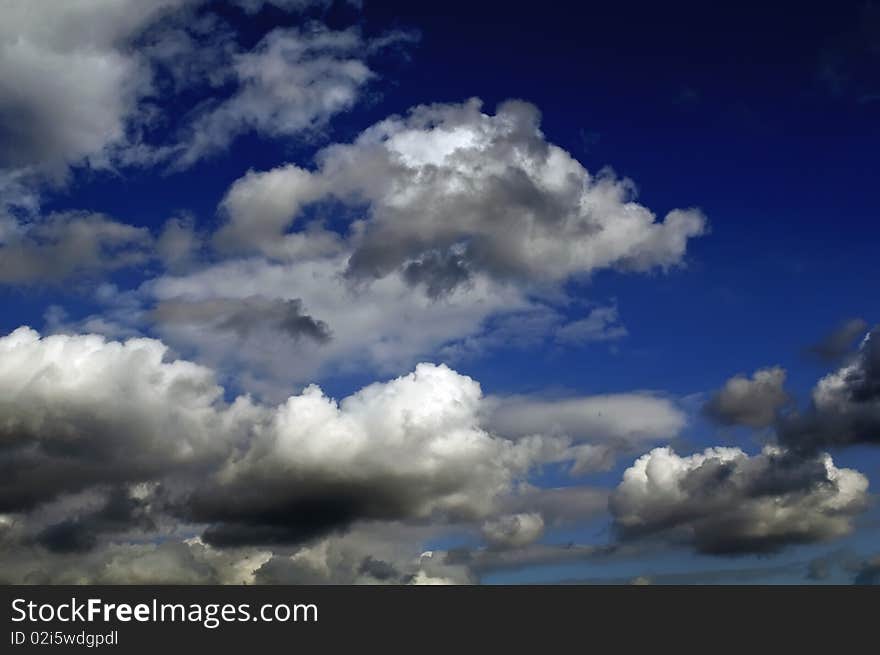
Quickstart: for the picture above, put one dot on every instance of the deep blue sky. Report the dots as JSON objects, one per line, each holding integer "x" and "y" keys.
{"x": 764, "y": 115}
{"x": 726, "y": 108}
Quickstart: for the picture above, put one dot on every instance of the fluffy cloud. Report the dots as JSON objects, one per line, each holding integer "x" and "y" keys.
{"x": 79, "y": 411}
{"x": 78, "y": 86}
{"x": 451, "y": 191}
{"x": 66, "y": 244}
{"x": 468, "y": 218}
{"x": 79, "y": 80}
{"x": 753, "y": 402}
{"x": 723, "y": 501}
{"x": 83, "y": 413}
{"x": 384, "y": 327}
{"x": 69, "y": 86}
{"x": 408, "y": 448}
{"x": 845, "y": 406}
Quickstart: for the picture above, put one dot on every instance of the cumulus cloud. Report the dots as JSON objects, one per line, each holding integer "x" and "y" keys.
{"x": 66, "y": 244}
{"x": 83, "y": 413}
{"x": 470, "y": 219}
{"x": 753, "y": 402}
{"x": 79, "y": 411}
{"x": 69, "y": 87}
{"x": 845, "y": 404}
{"x": 723, "y": 501}
{"x": 450, "y": 191}
{"x": 408, "y": 448}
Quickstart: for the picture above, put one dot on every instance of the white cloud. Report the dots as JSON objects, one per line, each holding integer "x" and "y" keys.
{"x": 83, "y": 81}
{"x": 293, "y": 81}
{"x": 84, "y": 412}
{"x": 386, "y": 326}
{"x": 467, "y": 217}
{"x": 451, "y": 191}
{"x": 79, "y": 411}
{"x": 723, "y": 501}
{"x": 408, "y": 448}
{"x": 69, "y": 86}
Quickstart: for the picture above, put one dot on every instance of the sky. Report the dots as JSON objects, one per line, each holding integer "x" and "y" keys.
{"x": 313, "y": 291}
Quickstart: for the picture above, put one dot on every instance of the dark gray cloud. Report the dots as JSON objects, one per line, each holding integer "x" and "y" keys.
{"x": 439, "y": 272}
{"x": 845, "y": 405}
{"x": 292, "y": 515}
{"x": 121, "y": 512}
{"x": 243, "y": 316}
{"x": 379, "y": 569}
{"x": 839, "y": 341}
{"x": 725, "y": 502}
{"x": 409, "y": 449}
{"x": 79, "y": 411}
{"x": 753, "y": 402}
